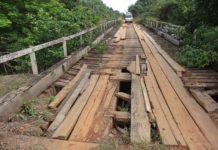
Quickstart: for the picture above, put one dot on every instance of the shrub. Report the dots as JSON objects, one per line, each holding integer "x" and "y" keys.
{"x": 197, "y": 58}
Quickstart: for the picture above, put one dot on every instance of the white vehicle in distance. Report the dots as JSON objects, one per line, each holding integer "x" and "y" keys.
{"x": 128, "y": 17}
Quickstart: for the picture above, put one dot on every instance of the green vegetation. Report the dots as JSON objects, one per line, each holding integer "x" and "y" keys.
{"x": 100, "y": 48}
{"x": 200, "y": 20}
{"x": 26, "y": 23}
{"x": 29, "y": 109}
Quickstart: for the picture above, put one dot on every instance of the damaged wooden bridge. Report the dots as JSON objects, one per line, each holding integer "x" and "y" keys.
{"x": 135, "y": 89}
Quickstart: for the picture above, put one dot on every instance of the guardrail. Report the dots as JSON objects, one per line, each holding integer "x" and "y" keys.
{"x": 166, "y": 30}
{"x": 31, "y": 51}
{"x": 161, "y": 24}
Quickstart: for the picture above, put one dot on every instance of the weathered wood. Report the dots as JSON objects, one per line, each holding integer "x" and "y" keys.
{"x": 62, "y": 94}
{"x": 121, "y": 77}
{"x": 194, "y": 139}
{"x": 123, "y": 36}
{"x": 34, "y": 63}
{"x": 64, "y": 130}
{"x": 47, "y": 78}
{"x": 131, "y": 67}
{"x": 137, "y": 65}
{"x": 62, "y": 114}
{"x": 146, "y": 98}
{"x": 24, "y": 52}
{"x": 178, "y": 68}
{"x": 166, "y": 134}
{"x": 143, "y": 69}
{"x": 205, "y": 100}
{"x": 124, "y": 96}
{"x": 65, "y": 47}
{"x": 87, "y": 116}
{"x": 161, "y": 108}
{"x": 140, "y": 126}
{"x": 201, "y": 85}
{"x": 121, "y": 116}
{"x": 60, "y": 84}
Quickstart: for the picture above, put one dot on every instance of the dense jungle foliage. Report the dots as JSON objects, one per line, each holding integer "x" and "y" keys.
{"x": 199, "y": 17}
{"x": 24, "y": 23}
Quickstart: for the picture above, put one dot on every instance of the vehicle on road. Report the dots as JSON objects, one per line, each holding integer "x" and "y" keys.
{"x": 128, "y": 17}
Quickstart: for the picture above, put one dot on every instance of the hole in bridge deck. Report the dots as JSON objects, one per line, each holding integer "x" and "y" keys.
{"x": 215, "y": 97}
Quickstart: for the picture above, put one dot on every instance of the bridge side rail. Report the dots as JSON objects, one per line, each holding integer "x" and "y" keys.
{"x": 31, "y": 51}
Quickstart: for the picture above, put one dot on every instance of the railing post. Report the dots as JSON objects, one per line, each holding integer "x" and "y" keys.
{"x": 34, "y": 63}
{"x": 65, "y": 47}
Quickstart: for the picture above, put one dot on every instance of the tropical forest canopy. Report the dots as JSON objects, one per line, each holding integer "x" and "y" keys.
{"x": 25, "y": 23}
{"x": 200, "y": 19}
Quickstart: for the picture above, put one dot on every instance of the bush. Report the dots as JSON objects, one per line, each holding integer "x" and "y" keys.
{"x": 197, "y": 58}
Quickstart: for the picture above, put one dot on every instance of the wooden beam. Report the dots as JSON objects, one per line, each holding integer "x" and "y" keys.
{"x": 124, "y": 96}
{"x": 140, "y": 126}
{"x": 146, "y": 98}
{"x": 194, "y": 139}
{"x": 162, "y": 112}
{"x": 205, "y": 100}
{"x": 87, "y": 116}
{"x": 166, "y": 134}
{"x": 121, "y": 77}
{"x": 63, "y": 93}
{"x": 72, "y": 98}
{"x": 121, "y": 116}
{"x": 64, "y": 130}
{"x": 137, "y": 65}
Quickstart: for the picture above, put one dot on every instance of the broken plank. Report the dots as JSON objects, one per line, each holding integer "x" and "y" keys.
{"x": 194, "y": 139}
{"x": 131, "y": 67}
{"x": 143, "y": 69}
{"x": 140, "y": 126}
{"x": 64, "y": 130}
{"x": 87, "y": 116}
{"x": 137, "y": 65}
{"x": 166, "y": 134}
{"x": 121, "y": 77}
{"x": 146, "y": 98}
{"x": 63, "y": 112}
{"x": 205, "y": 100}
{"x": 120, "y": 116}
{"x": 124, "y": 96}
{"x": 62, "y": 94}
{"x": 161, "y": 106}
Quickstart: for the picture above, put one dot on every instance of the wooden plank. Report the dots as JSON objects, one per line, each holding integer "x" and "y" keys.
{"x": 137, "y": 65}
{"x": 131, "y": 67}
{"x": 143, "y": 69}
{"x": 161, "y": 105}
{"x": 146, "y": 98}
{"x": 64, "y": 130}
{"x": 166, "y": 134}
{"x": 63, "y": 112}
{"x": 124, "y": 96}
{"x": 120, "y": 116}
{"x": 212, "y": 92}
{"x": 60, "y": 84}
{"x": 87, "y": 116}
{"x": 121, "y": 77}
{"x": 194, "y": 139}
{"x": 205, "y": 100}
{"x": 140, "y": 126}
{"x": 47, "y": 79}
{"x": 123, "y": 36}
{"x": 201, "y": 85}
{"x": 62, "y": 94}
